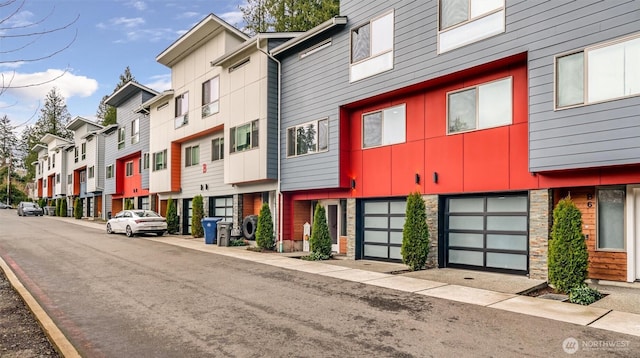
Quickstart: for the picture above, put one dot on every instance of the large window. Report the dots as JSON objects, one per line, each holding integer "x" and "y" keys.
{"x": 182, "y": 110}
{"x": 483, "y": 106}
{"x": 191, "y": 156}
{"x": 217, "y": 149}
{"x": 308, "y": 138}
{"x": 210, "y": 96}
{"x": 109, "y": 171}
{"x": 611, "y": 219}
{"x": 372, "y": 47}
{"x": 160, "y": 160}
{"x": 244, "y": 137}
{"x": 121, "y": 134}
{"x": 75, "y": 154}
{"x": 145, "y": 160}
{"x": 612, "y": 71}
{"x": 84, "y": 151}
{"x": 135, "y": 131}
{"x": 384, "y": 127}
{"x": 53, "y": 160}
{"x": 462, "y": 22}
{"x": 129, "y": 168}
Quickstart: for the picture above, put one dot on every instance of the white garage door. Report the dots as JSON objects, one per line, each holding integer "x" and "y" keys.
{"x": 487, "y": 233}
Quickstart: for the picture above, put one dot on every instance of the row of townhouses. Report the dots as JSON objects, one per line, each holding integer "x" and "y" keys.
{"x": 493, "y": 110}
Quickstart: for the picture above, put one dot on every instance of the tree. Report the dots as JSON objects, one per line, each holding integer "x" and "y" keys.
{"x": 63, "y": 208}
{"x": 568, "y": 256}
{"x": 264, "y": 231}
{"x": 287, "y": 15}
{"x": 320, "y": 241}
{"x": 28, "y": 140}
{"x": 15, "y": 37}
{"x": 415, "y": 234}
{"x": 54, "y": 116}
{"x": 196, "y": 217}
{"x": 8, "y": 140}
{"x": 128, "y": 204}
{"x": 172, "y": 217}
{"x": 107, "y": 114}
{"x": 77, "y": 208}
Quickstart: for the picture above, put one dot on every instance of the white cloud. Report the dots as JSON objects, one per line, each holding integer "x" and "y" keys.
{"x": 160, "y": 82}
{"x": 12, "y": 64}
{"x": 233, "y": 17}
{"x": 68, "y": 84}
{"x": 138, "y": 5}
{"x": 128, "y": 22}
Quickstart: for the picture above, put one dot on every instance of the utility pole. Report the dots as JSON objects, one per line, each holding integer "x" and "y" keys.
{"x": 8, "y": 180}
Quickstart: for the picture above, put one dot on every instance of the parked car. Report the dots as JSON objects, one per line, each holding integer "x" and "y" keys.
{"x": 26, "y": 208}
{"x": 133, "y": 222}
{"x": 5, "y": 206}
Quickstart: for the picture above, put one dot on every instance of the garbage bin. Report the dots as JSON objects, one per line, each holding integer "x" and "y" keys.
{"x": 210, "y": 230}
{"x": 224, "y": 233}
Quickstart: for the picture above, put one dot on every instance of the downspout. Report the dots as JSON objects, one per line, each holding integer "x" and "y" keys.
{"x": 278, "y": 187}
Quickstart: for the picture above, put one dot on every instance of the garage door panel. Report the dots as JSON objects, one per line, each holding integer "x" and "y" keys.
{"x": 396, "y": 222}
{"x": 398, "y": 207}
{"x": 376, "y": 236}
{"x": 394, "y": 253}
{"x": 507, "y": 242}
{"x": 507, "y": 223}
{"x": 517, "y": 204}
{"x": 462, "y": 257}
{"x": 376, "y": 207}
{"x": 376, "y": 251}
{"x": 466, "y": 240}
{"x": 466, "y": 223}
{"x": 373, "y": 222}
{"x": 395, "y": 237}
{"x": 383, "y": 221}
{"x": 506, "y": 261}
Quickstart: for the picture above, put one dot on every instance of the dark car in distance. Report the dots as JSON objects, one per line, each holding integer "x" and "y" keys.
{"x": 26, "y": 208}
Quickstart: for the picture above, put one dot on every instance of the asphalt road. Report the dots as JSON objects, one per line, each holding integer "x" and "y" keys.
{"x": 115, "y": 296}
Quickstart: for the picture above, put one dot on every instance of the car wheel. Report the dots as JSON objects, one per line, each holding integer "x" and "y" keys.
{"x": 109, "y": 230}
{"x": 161, "y": 233}
{"x": 129, "y": 231}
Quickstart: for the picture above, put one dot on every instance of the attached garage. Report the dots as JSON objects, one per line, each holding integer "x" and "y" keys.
{"x": 381, "y": 226}
{"x": 487, "y": 233}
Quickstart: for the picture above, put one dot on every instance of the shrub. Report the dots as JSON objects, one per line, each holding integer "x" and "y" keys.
{"x": 63, "y": 208}
{"x": 415, "y": 234}
{"x": 128, "y": 204}
{"x": 264, "y": 231}
{"x": 173, "y": 225}
{"x": 315, "y": 256}
{"x": 584, "y": 295}
{"x": 42, "y": 203}
{"x": 568, "y": 256}
{"x": 320, "y": 241}
{"x": 196, "y": 218}
{"x": 77, "y": 209}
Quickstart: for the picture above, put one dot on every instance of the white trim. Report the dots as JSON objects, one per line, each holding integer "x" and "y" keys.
{"x": 632, "y": 232}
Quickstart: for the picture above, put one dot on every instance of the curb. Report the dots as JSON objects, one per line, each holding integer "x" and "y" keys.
{"x": 60, "y": 342}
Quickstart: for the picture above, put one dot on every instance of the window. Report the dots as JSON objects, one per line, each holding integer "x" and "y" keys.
{"x": 91, "y": 172}
{"x": 467, "y": 21}
{"x": 70, "y": 179}
{"x": 308, "y": 138}
{"x": 139, "y": 165}
{"x": 121, "y": 133}
{"x": 109, "y": 171}
{"x": 210, "y": 95}
{"x": 310, "y": 51}
{"x": 83, "y": 176}
{"x": 48, "y": 163}
{"x": 611, "y": 219}
{"x": 57, "y": 178}
{"x": 75, "y": 154}
{"x": 244, "y": 137}
{"x": 182, "y": 110}
{"x": 160, "y": 160}
{"x": 611, "y": 70}
{"x": 221, "y": 207}
{"x": 217, "y": 149}
{"x": 135, "y": 131}
{"x": 84, "y": 151}
{"x": 372, "y": 47}
{"x": 145, "y": 160}
{"x": 483, "y": 106}
{"x": 53, "y": 161}
{"x": 384, "y": 127}
{"x": 191, "y": 156}
{"x": 129, "y": 168}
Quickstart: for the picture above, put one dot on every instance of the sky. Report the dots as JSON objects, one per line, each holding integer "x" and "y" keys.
{"x": 87, "y": 56}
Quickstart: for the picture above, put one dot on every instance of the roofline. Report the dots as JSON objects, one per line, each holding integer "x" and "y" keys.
{"x": 329, "y": 24}
{"x": 130, "y": 83}
{"x": 81, "y": 119}
{"x": 251, "y": 43}
{"x": 208, "y": 18}
{"x": 53, "y": 136}
{"x": 155, "y": 99}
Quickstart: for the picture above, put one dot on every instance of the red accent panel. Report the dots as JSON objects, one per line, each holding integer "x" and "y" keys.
{"x": 444, "y": 156}
{"x": 520, "y": 177}
{"x": 520, "y": 95}
{"x": 132, "y": 185}
{"x": 176, "y": 166}
{"x": 376, "y": 172}
{"x": 415, "y": 112}
{"x": 407, "y": 160}
{"x": 486, "y": 160}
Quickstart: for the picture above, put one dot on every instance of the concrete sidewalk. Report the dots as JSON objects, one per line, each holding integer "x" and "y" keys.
{"x": 619, "y": 311}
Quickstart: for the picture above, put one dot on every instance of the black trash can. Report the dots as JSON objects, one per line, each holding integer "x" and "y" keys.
{"x": 224, "y": 233}
{"x": 209, "y": 226}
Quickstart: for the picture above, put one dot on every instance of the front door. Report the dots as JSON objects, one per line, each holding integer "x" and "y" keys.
{"x": 331, "y": 208}
{"x": 187, "y": 212}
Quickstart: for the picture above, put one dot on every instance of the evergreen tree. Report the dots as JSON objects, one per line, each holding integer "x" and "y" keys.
{"x": 264, "y": 231}
{"x": 28, "y": 140}
{"x": 8, "y": 140}
{"x": 415, "y": 234}
{"x": 568, "y": 256}
{"x": 128, "y": 204}
{"x": 54, "y": 116}
{"x": 196, "y": 217}
{"x": 77, "y": 208}
{"x": 173, "y": 225}
{"x": 287, "y": 15}
{"x": 107, "y": 114}
{"x": 320, "y": 241}
{"x": 63, "y": 208}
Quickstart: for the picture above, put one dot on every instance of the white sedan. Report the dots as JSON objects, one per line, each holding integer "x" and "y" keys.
{"x": 133, "y": 222}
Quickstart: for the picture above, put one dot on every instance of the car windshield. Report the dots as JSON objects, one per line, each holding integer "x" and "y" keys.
{"x": 145, "y": 214}
{"x": 28, "y": 205}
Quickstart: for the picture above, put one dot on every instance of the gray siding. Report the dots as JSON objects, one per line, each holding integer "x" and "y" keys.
{"x": 315, "y": 87}
{"x": 272, "y": 119}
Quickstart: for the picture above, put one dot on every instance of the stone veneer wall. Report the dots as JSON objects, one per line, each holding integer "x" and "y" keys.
{"x": 431, "y": 206}
{"x": 540, "y": 207}
{"x": 351, "y": 229}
